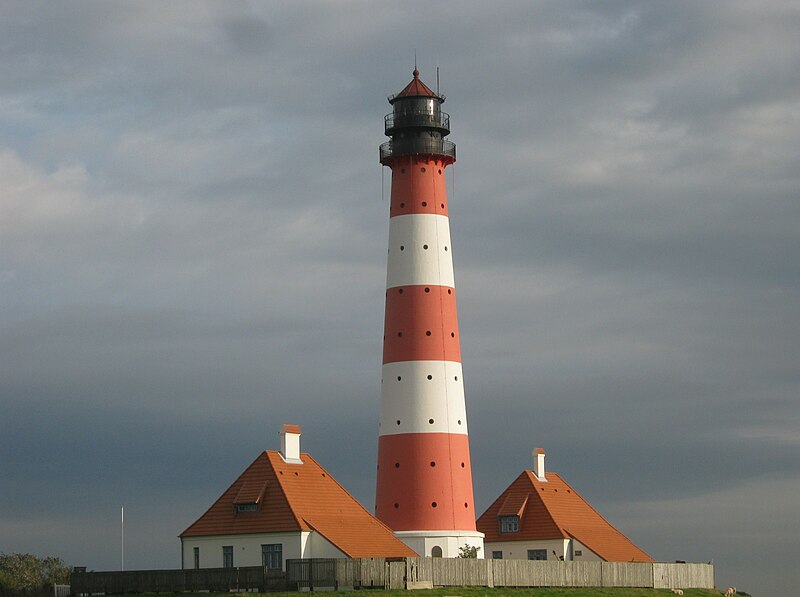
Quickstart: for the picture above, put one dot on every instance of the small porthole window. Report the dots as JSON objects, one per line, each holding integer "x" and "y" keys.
{"x": 459, "y": 421}
{"x": 462, "y": 465}
{"x": 427, "y": 289}
{"x": 399, "y": 334}
{"x": 400, "y": 291}
{"x": 466, "y": 505}
{"x": 396, "y": 465}
{"x": 449, "y": 291}
{"x": 434, "y": 504}
{"x": 430, "y": 377}
{"x": 398, "y": 421}
{"x": 428, "y": 333}
{"x": 402, "y": 248}
{"x": 402, "y": 205}
{"x": 424, "y": 204}
{"x": 445, "y": 247}
{"x": 440, "y": 170}
{"x": 442, "y": 205}
{"x": 422, "y": 169}
{"x": 399, "y": 378}
{"x": 456, "y": 377}
{"x": 433, "y": 463}
{"x": 425, "y": 247}
{"x": 430, "y": 421}
{"x": 396, "y": 505}
{"x": 452, "y": 334}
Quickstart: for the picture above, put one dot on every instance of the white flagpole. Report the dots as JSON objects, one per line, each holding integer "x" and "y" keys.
{"x": 122, "y": 537}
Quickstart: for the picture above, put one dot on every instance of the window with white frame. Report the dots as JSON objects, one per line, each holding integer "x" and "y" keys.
{"x": 227, "y": 556}
{"x": 537, "y": 554}
{"x": 509, "y": 524}
{"x": 272, "y": 555}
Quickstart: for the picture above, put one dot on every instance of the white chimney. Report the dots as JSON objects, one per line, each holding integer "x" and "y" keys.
{"x": 538, "y": 465}
{"x": 290, "y": 443}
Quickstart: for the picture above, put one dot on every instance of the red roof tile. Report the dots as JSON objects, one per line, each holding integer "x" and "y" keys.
{"x": 250, "y": 492}
{"x": 291, "y": 428}
{"x": 554, "y": 510}
{"x": 299, "y": 497}
{"x": 415, "y": 89}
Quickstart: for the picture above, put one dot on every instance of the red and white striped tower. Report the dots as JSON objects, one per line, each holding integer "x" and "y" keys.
{"x": 424, "y": 490}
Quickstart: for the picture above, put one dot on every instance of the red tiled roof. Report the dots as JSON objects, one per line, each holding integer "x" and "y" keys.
{"x": 414, "y": 89}
{"x": 250, "y": 492}
{"x": 291, "y": 428}
{"x": 299, "y": 497}
{"x": 553, "y": 510}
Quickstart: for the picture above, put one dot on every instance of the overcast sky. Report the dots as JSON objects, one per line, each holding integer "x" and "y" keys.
{"x": 193, "y": 244}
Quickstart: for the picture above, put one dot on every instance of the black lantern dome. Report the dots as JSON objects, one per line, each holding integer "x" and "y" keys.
{"x": 417, "y": 124}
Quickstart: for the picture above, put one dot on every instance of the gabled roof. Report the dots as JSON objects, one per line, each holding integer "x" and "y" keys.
{"x": 415, "y": 89}
{"x": 554, "y": 510}
{"x": 298, "y": 497}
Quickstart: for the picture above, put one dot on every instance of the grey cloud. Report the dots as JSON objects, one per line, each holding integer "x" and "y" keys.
{"x": 192, "y": 251}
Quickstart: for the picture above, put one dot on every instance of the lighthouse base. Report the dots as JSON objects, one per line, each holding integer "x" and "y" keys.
{"x": 445, "y": 544}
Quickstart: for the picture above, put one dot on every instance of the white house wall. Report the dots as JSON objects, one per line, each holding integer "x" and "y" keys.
{"x": 518, "y": 550}
{"x": 587, "y": 555}
{"x": 246, "y": 548}
{"x": 318, "y": 546}
{"x": 423, "y": 542}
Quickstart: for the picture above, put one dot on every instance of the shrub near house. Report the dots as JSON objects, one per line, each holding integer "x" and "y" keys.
{"x": 27, "y": 574}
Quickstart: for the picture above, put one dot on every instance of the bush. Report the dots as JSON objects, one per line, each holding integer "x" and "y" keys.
{"x": 26, "y": 574}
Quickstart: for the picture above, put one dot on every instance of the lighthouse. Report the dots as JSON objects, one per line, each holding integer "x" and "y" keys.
{"x": 424, "y": 485}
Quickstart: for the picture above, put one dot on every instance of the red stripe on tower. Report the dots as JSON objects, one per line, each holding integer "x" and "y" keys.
{"x": 424, "y": 490}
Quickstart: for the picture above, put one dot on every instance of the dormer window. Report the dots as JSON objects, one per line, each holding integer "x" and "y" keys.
{"x": 509, "y": 524}
{"x": 247, "y": 507}
{"x": 249, "y": 497}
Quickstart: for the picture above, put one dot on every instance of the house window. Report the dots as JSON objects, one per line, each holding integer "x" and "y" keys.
{"x": 196, "y": 558}
{"x": 227, "y": 556}
{"x": 272, "y": 556}
{"x": 537, "y": 554}
{"x": 247, "y": 507}
{"x": 497, "y": 555}
{"x": 436, "y": 552}
{"x": 509, "y": 524}
{"x": 578, "y": 552}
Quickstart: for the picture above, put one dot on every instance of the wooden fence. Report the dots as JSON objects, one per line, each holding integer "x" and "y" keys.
{"x": 375, "y": 573}
{"x": 177, "y": 581}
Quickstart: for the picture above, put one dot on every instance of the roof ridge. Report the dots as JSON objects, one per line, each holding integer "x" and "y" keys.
{"x": 278, "y": 477}
{"x": 503, "y": 493}
{"x": 329, "y": 539}
{"x": 222, "y": 495}
{"x": 340, "y": 486}
{"x": 592, "y": 508}
{"x": 600, "y": 516}
{"x": 531, "y": 478}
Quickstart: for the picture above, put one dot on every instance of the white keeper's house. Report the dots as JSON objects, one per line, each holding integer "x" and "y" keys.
{"x": 540, "y": 517}
{"x": 283, "y": 506}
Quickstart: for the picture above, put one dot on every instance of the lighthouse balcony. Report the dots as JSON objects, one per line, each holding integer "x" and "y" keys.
{"x": 417, "y": 145}
{"x": 417, "y": 118}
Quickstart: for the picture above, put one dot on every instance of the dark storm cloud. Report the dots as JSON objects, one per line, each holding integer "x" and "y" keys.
{"x": 192, "y": 252}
